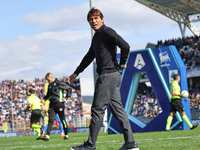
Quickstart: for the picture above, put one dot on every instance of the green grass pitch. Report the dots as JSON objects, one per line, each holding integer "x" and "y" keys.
{"x": 174, "y": 140}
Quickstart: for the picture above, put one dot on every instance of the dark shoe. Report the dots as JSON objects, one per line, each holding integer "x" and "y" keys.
{"x": 194, "y": 126}
{"x": 65, "y": 138}
{"x": 45, "y": 138}
{"x": 130, "y": 146}
{"x": 40, "y": 138}
{"x": 83, "y": 147}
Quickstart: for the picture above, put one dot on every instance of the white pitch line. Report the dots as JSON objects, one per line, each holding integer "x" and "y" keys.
{"x": 113, "y": 141}
{"x": 12, "y": 143}
{"x": 170, "y": 138}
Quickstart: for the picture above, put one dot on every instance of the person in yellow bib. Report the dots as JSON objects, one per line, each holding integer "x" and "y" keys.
{"x": 176, "y": 104}
{"x": 35, "y": 104}
{"x": 5, "y": 126}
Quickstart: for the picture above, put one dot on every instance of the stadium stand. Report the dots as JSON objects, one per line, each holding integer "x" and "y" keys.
{"x": 188, "y": 48}
{"x": 13, "y": 98}
{"x": 194, "y": 98}
{"x": 146, "y": 106}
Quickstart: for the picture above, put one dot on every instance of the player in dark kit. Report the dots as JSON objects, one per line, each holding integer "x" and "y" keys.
{"x": 55, "y": 96}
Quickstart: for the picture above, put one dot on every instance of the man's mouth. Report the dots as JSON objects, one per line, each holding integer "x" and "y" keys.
{"x": 94, "y": 25}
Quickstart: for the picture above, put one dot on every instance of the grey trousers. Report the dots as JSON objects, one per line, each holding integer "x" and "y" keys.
{"x": 107, "y": 94}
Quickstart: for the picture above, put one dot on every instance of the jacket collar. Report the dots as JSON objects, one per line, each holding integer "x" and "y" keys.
{"x": 101, "y": 29}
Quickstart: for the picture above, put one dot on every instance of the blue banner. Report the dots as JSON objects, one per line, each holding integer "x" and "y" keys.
{"x": 159, "y": 64}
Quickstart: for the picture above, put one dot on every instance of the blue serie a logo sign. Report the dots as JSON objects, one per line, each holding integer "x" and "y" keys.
{"x": 159, "y": 65}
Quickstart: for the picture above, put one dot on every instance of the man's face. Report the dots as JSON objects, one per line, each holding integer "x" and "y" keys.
{"x": 95, "y": 22}
{"x": 50, "y": 79}
{"x": 178, "y": 78}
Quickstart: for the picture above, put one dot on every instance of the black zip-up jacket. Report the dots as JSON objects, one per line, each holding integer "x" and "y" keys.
{"x": 104, "y": 49}
{"x": 55, "y": 92}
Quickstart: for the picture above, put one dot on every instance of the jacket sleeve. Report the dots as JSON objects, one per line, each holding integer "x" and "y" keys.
{"x": 88, "y": 58}
{"x": 120, "y": 42}
{"x": 47, "y": 96}
{"x": 66, "y": 87}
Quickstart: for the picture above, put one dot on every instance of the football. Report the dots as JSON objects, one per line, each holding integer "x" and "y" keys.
{"x": 184, "y": 94}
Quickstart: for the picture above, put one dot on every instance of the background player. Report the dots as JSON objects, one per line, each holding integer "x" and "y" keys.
{"x": 35, "y": 104}
{"x": 176, "y": 104}
{"x": 55, "y": 96}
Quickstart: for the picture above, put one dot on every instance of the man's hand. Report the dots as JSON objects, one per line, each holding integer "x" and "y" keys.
{"x": 64, "y": 100}
{"x": 43, "y": 102}
{"x": 122, "y": 66}
{"x": 71, "y": 78}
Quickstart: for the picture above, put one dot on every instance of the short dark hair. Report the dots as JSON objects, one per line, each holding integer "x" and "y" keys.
{"x": 176, "y": 76}
{"x": 96, "y": 12}
{"x": 47, "y": 75}
{"x": 32, "y": 91}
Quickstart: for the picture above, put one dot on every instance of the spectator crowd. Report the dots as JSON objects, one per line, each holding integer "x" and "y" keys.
{"x": 14, "y": 95}
{"x": 188, "y": 48}
{"x": 146, "y": 106}
{"x": 194, "y": 98}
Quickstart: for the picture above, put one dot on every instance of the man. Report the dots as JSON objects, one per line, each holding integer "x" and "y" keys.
{"x": 60, "y": 126}
{"x": 176, "y": 104}
{"x": 55, "y": 96}
{"x": 104, "y": 49}
{"x": 35, "y": 104}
